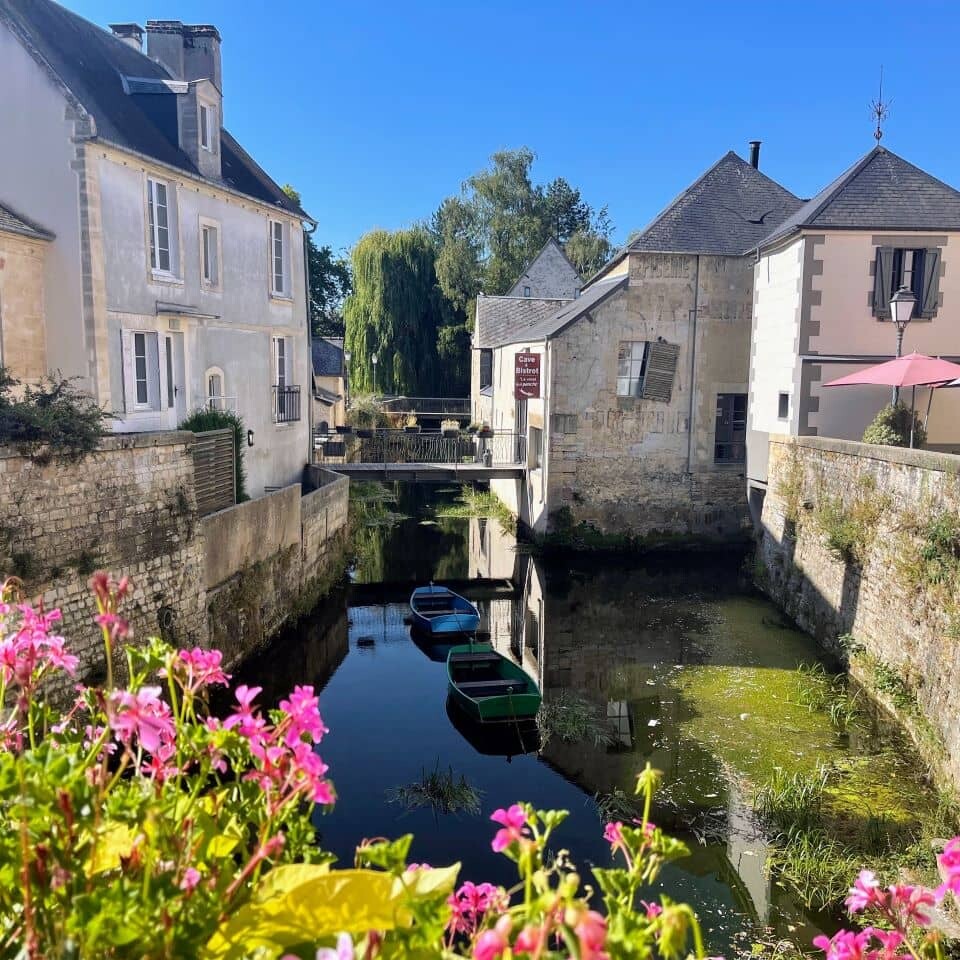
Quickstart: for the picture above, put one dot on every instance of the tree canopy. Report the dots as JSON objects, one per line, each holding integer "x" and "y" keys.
{"x": 415, "y": 291}
{"x": 395, "y": 312}
{"x": 330, "y": 283}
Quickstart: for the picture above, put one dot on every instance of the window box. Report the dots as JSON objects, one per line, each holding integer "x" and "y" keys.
{"x": 365, "y": 434}
{"x": 344, "y": 428}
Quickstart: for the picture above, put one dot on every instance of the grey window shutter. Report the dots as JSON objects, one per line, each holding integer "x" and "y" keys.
{"x": 931, "y": 282}
{"x": 661, "y": 369}
{"x": 883, "y": 283}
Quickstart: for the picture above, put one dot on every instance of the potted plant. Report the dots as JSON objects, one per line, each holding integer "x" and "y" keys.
{"x": 450, "y": 428}
{"x": 364, "y": 433}
{"x": 473, "y": 428}
{"x": 485, "y": 430}
{"x": 344, "y": 428}
{"x": 410, "y": 425}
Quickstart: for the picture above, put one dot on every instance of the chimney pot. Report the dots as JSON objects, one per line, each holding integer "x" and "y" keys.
{"x": 755, "y": 154}
{"x": 129, "y": 33}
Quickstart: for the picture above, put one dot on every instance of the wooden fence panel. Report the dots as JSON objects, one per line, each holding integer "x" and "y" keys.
{"x": 214, "y": 471}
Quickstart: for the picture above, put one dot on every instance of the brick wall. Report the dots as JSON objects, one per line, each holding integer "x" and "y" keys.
{"x": 874, "y": 601}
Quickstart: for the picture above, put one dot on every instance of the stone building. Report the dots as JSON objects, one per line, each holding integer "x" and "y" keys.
{"x": 23, "y": 335}
{"x": 822, "y": 289}
{"x": 639, "y": 424}
{"x": 546, "y": 284}
{"x": 175, "y": 275}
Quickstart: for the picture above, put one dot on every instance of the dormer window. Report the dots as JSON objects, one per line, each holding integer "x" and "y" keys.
{"x": 207, "y": 117}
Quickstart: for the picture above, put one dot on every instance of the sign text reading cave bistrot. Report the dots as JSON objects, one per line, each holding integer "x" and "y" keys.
{"x": 526, "y": 376}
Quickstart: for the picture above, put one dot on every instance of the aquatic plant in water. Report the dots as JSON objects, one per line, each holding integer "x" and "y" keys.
{"x": 571, "y": 718}
{"x": 441, "y": 790}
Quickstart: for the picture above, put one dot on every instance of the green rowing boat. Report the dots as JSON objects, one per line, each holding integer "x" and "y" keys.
{"x": 488, "y": 686}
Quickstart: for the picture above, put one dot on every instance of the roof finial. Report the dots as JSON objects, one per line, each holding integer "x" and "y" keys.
{"x": 880, "y": 110}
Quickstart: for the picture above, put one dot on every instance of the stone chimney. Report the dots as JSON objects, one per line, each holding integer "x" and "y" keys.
{"x": 191, "y": 52}
{"x": 129, "y": 33}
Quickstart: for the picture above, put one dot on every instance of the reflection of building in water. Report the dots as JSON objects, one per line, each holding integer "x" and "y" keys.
{"x": 748, "y": 850}
{"x": 493, "y": 550}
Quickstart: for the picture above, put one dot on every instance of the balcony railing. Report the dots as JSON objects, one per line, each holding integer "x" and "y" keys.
{"x": 286, "y": 404}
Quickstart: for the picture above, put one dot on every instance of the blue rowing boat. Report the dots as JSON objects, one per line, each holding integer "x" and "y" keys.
{"x": 438, "y": 610}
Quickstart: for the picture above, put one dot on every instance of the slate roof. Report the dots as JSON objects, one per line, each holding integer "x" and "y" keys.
{"x": 881, "y": 191}
{"x": 726, "y": 212}
{"x": 560, "y": 319}
{"x": 327, "y": 356}
{"x": 91, "y": 62}
{"x": 14, "y": 223}
{"x": 551, "y": 243}
{"x": 499, "y": 318}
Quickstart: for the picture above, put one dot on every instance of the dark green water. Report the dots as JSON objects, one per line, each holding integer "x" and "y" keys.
{"x": 688, "y": 668}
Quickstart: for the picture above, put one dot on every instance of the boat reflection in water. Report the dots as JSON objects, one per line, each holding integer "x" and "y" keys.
{"x": 509, "y": 740}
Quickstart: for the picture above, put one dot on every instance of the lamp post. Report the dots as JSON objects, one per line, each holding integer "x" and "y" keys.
{"x": 901, "y": 311}
{"x": 373, "y": 360}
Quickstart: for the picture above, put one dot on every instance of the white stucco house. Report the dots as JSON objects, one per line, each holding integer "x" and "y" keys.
{"x": 175, "y": 278}
{"x": 823, "y": 279}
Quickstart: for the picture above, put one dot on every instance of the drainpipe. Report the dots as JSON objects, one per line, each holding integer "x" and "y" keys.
{"x": 309, "y": 384}
{"x": 693, "y": 364}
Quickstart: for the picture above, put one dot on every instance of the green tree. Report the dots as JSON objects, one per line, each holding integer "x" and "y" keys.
{"x": 330, "y": 283}
{"x": 395, "y": 312}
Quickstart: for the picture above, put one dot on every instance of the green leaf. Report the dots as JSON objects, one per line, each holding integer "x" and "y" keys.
{"x": 342, "y": 901}
{"x": 115, "y": 842}
{"x": 281, "y": 880}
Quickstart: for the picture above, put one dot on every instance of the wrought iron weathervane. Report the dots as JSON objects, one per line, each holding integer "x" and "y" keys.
{"x": 880, "y": 110}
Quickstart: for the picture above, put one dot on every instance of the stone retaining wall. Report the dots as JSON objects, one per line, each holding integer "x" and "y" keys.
{"x": 130, "y": 508}
{"x": 872, "y": 603}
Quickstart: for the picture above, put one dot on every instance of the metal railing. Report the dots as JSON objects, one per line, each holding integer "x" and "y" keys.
{"x": 439, "y": 406}
{"x": 286, "y": 404}
{"x": 498, "y": 448}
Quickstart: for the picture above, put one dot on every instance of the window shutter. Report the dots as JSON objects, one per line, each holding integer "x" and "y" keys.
{"x": 661, "y": 369}
{"x": 883, "y": 283}
{"x": 931, "y": 282}
{"x": 126, "y": 356}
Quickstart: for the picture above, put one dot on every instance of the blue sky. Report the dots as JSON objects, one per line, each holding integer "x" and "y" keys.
{"x": 377, "y": 110}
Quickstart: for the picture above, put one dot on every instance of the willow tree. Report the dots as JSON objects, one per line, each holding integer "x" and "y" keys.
{"x": 395, "y": 311}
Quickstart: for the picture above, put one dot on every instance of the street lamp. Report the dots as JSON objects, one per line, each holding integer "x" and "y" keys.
{"x": 901, "y": 310}
{"x": 373, "y": 360}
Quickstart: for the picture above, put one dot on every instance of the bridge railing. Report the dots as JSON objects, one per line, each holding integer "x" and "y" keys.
{"x": 438, "y": 406}
{"x": 498, "y": 448}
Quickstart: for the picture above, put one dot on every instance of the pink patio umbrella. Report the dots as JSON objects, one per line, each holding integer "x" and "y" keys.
{"x": 914, "y": 370}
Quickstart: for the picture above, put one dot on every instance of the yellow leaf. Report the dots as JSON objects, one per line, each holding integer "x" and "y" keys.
{"x": 115, "y": 841}
{"x": 342, "y": 901}
{"x": 425, "y": 882}
{"x": 283, "y": 880}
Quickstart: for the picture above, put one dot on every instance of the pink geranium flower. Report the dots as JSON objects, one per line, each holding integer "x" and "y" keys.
{"x": 141, "y": 715}
{"x": 491, "y": 943}
{"x": 949, "y": 863}
{"x": 844, "y": 945}
{"x": 514, "y": 821}
{"x": 865, "y": 892}
{"x": 591, "y": 930}
{"x": 342, "y": 951}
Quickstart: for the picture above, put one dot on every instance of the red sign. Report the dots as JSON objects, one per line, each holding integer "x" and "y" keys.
{"x": 526, "y": 376}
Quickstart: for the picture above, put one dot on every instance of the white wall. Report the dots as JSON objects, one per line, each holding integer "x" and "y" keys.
{"x": 236, "y": 323}
{"x": 774, "y": 366}
{"x": 37, "y": 181}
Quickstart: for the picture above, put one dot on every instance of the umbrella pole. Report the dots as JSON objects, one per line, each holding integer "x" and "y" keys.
{"x": 913, "y": 407}
{"x": 926, "y": 419}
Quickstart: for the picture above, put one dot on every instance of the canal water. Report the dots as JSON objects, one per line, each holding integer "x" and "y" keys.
{"x": 670, "y": 659}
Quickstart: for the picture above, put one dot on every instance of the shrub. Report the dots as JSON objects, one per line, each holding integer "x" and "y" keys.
{"x": 850, "y": 526}
{"x": 51, "y": 418}
{"x": 366, "y": 411}
{"x": 891, "y": 427}
{"x": 203, "y": 418}
{"x": 135, "y": 825}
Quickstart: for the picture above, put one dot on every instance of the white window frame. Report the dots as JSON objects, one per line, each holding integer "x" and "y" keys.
{"x": 636, "y": 368}
{"x": 214, "y": 401}
{"x": 206, "y": 115}
{"x": 153, "y": 374}
{"x": 279, "y": 232}
{"x": 214, "y": 283}
{"x": 154, "y": 228}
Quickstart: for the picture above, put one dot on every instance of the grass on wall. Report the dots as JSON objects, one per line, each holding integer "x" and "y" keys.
{"x": 849, "y": 524}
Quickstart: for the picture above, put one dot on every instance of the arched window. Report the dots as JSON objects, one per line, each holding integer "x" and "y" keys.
{"x": 215, "y": 384}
